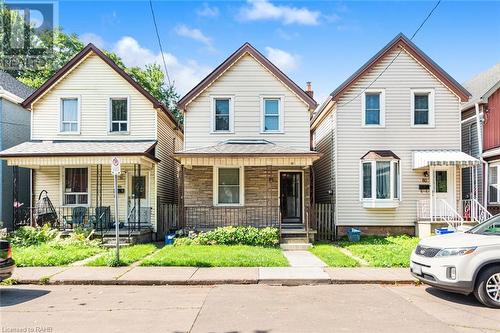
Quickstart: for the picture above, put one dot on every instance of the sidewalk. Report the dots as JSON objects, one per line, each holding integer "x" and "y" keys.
{"x": 210, "y": 276}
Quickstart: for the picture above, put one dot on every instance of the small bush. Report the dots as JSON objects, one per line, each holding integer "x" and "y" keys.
{"x": 234, "y": 236}
{"x": 29, "y": 236}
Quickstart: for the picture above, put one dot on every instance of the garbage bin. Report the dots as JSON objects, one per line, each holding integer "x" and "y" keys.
{"x": 169, "y": 239}
{"x": 354, "y": 235}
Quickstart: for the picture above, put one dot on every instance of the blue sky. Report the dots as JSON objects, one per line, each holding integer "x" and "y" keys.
{"x": 319, "y": 41}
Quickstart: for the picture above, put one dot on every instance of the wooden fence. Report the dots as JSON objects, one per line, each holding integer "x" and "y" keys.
{"x": 324, "y": 221}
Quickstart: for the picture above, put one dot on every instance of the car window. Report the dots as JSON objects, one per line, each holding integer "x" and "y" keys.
{"x": 489, "y": 227}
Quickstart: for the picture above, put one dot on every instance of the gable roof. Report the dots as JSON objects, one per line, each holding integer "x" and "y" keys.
{"x": 402, "y": 41}
{"x": 245, "y": 48}
{"x": 11, "y": 85}
{"x": 482, "y": 86}
{"x": 76, "y": 60}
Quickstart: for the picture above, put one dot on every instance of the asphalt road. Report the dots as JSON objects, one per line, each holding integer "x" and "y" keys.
{"x": 238, "y": 308}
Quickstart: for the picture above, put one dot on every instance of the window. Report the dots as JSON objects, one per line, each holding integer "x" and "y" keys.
{"x": 76, "y": 182}
{"x": 422, "y": 102}
{"x": 373, "y": 108}
{"x": 493, "y": 188}
{"x": 271, "y": 120}
{"x": 69, "y": 115}
{"x": 139, "y": 187}
{"x": 222, "y": 115}
{"x": 441, "y": 182}
{"x": 119, "y": 114}
{"x": 228, "y": 186}
{"x": 381, "y": 180}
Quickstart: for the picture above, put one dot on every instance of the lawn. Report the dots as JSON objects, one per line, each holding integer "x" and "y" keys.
{"x": 390, "y": 251}
{"x": 128, "y": 255}
{"x": 217, "y": 256}
{"x": 332, "y": 256}
{"x": 53, "y": 254}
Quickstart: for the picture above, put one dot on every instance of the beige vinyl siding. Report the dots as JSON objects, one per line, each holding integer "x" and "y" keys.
{"x": 94, "y": 82}
{"x": 324, "y": 168}
{"x": 168, "y": 142}
{"x": 247, "y": 81}
{"x": 397, "y": 135}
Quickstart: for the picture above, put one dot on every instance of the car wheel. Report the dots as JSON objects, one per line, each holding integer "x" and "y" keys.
{"x": 487, "y": 289}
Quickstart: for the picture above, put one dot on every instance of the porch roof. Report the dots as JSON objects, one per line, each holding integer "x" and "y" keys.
{"x": 423, "y": 159}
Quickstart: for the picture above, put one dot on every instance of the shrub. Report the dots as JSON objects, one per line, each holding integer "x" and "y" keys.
{"x": 234, "y": 236}
{"x": 28, "y": 236}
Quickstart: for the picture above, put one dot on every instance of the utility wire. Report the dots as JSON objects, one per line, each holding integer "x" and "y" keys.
{"x": 159, "y": 42}
{"x": 394, "y": 59}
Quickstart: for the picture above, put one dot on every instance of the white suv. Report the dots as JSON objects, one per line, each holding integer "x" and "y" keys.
{"x": 462, "y": 262}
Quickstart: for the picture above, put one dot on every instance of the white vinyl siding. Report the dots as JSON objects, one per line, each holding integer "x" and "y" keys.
{"x": 247, "y": 81}
{"x": 324, "y": 168}
{"x": 95, "y": 82}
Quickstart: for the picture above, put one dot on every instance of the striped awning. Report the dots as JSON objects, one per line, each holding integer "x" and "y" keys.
{"x": 424, "y": 159}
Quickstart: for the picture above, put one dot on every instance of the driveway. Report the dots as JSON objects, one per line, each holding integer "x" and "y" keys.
{"x": 240, "y": 308}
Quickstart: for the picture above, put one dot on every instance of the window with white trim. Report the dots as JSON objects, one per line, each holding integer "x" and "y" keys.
{"x": 373, "y": 108}
{"x": 76, "y": 186}
{"x": 271, "y": 118}
{"x": 119, "y": 115}
{"x": 381, "y": 180}
{"x": 222, "y": 113}
{"x": 70, "y": 115}
{"x": 228, "y": 186}
{"x": 493, "y": 188}
{"x": 422, "y": 107}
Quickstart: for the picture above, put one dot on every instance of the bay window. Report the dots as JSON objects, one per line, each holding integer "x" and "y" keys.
{"x": 76, "y": 186}
{"x": 493, "y": 188}
{"x": 228, "y": 186}
{"x": 380, "y": 183}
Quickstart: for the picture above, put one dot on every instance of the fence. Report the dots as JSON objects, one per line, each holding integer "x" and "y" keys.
{"x": 324, "y": 221}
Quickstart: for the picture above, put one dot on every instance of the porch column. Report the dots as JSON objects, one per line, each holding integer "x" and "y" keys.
{"x": 431, "y": 195}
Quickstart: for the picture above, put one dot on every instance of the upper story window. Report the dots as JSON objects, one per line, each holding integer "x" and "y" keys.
{"x": 119, "y": 115}
{"x": 373, "y": 108}
{"x": 422, "y": 107}
{"x": 70, "y": 115}
{"x": 228, "y": 187}
{"x": 222, "y": 114}
{"x": 380, "y": 181}
{"x": 493, "y": 188}
{"x": 271, "y": 114}
{"x": 76, "y": 186}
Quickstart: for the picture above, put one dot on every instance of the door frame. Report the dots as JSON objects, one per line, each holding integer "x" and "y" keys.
{"x": 280, "y": 171}
{"x": 451, "y": 170}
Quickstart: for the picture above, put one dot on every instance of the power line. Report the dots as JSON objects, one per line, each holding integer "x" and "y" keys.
{"x": 394, "y": 59}
{"x": 159, "y": 42}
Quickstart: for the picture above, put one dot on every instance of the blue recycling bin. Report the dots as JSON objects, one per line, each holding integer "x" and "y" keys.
{"x": 169, "y": 239}
{"x": 443, "y": 231}
{"x": 354, "y": 235}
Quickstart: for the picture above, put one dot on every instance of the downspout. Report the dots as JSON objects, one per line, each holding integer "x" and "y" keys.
{"x": 484, "y": 164}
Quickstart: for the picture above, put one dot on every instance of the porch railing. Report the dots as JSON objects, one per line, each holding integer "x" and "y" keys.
{"x": 442, "y": 211}
{"x": 474, "y": 211}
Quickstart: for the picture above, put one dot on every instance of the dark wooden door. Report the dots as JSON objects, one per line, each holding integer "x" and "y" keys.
{"x": 291, "y": 197}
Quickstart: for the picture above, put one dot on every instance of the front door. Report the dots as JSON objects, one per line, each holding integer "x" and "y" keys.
{"x": 444, "y": 190}
{"x": 291, "y": 197}
{"x": 138, "y": 198}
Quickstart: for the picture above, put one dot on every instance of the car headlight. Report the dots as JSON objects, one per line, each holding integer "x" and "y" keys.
{"x": 458, "y": 251}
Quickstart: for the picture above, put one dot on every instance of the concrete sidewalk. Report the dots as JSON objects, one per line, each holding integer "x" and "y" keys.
{"x": 210, "y": 276}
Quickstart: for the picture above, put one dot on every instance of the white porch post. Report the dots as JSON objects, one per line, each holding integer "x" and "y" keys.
{"x": 431, "y": 190}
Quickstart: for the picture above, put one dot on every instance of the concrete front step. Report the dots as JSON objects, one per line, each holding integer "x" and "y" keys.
{"x": 294, "y": 240}
{"x": 295, "y": 246}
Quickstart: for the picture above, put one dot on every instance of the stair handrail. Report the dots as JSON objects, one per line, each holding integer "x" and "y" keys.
{"x": 450, "y": 215}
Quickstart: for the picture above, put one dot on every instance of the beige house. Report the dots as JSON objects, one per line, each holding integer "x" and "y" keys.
{"x": 246, "y": 158}
{"x": 88, "y": 112}
{"x": 390, "y": 139}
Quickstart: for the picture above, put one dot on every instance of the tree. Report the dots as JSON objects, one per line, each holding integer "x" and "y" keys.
{"x": 64, "y": 47}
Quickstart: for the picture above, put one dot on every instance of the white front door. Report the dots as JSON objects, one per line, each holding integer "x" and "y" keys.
{"x": 444, "y": 189}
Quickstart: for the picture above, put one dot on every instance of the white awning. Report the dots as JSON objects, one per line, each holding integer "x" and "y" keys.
{"x": 424, "y": 159}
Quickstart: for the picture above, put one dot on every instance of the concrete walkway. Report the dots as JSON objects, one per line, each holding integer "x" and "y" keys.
{"x": 210, "y": 276}
{"x": 303, "y": 259}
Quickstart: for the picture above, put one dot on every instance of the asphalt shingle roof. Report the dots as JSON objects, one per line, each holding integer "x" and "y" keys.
{"x": 10, "y": 84}
{"x": 480, "y": 84}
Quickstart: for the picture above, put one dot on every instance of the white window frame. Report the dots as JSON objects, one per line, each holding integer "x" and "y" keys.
{"x": 497, "y": 166}
{"x": 216, "y": 186}
{"x": 62, "y": 177}
{"x": 382, "y": 108}
{"x": 373, "y": 202}
{"x": 110, "y": 116}
{"x": 231, "y": 114}
{"x": 430, "y": 93}
{"x": 281, "y": 120}
{"x": 78, "y": 117}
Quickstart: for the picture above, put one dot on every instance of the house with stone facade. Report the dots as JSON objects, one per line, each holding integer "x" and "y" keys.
{"x": 391, "y": 145}
{"x": 88, "y": 112}
{"x": 246, "y": 158}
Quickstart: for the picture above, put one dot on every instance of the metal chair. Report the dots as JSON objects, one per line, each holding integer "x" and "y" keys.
{"x": 77, "y": 217}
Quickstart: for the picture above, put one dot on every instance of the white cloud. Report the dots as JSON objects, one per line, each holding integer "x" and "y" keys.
{"x": 264, "y": 10}
{"x": 90, "y": 37}
{"x": 185, "y": 74}
{"x": 207, "y": 11}
{"x": 282, "y": 59}
{"x": 195, "y": 34}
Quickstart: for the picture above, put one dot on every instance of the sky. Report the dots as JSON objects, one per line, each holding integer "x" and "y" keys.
{"x": 319, "y": 41}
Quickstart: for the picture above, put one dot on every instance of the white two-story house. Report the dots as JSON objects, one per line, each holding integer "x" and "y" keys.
{"x": 86, "y": 113}
{"x": 390, "y": 139}
{"x": 246, "y": 158}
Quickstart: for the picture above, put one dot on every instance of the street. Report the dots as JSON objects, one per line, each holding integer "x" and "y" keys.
{"x": 240, "y": 308}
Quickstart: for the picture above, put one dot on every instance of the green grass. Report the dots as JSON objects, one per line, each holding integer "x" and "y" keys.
{"x": 332, "y": 256}
{"x": 128, "y": 255}
{"x": 52, "y": 255}
{"x": 217, "y": 256}
{"x": 390, "y": 251}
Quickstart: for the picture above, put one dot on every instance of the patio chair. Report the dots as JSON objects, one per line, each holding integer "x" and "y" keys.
{"x": 102, "y": 218}
{"x": 77, "y": 217}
